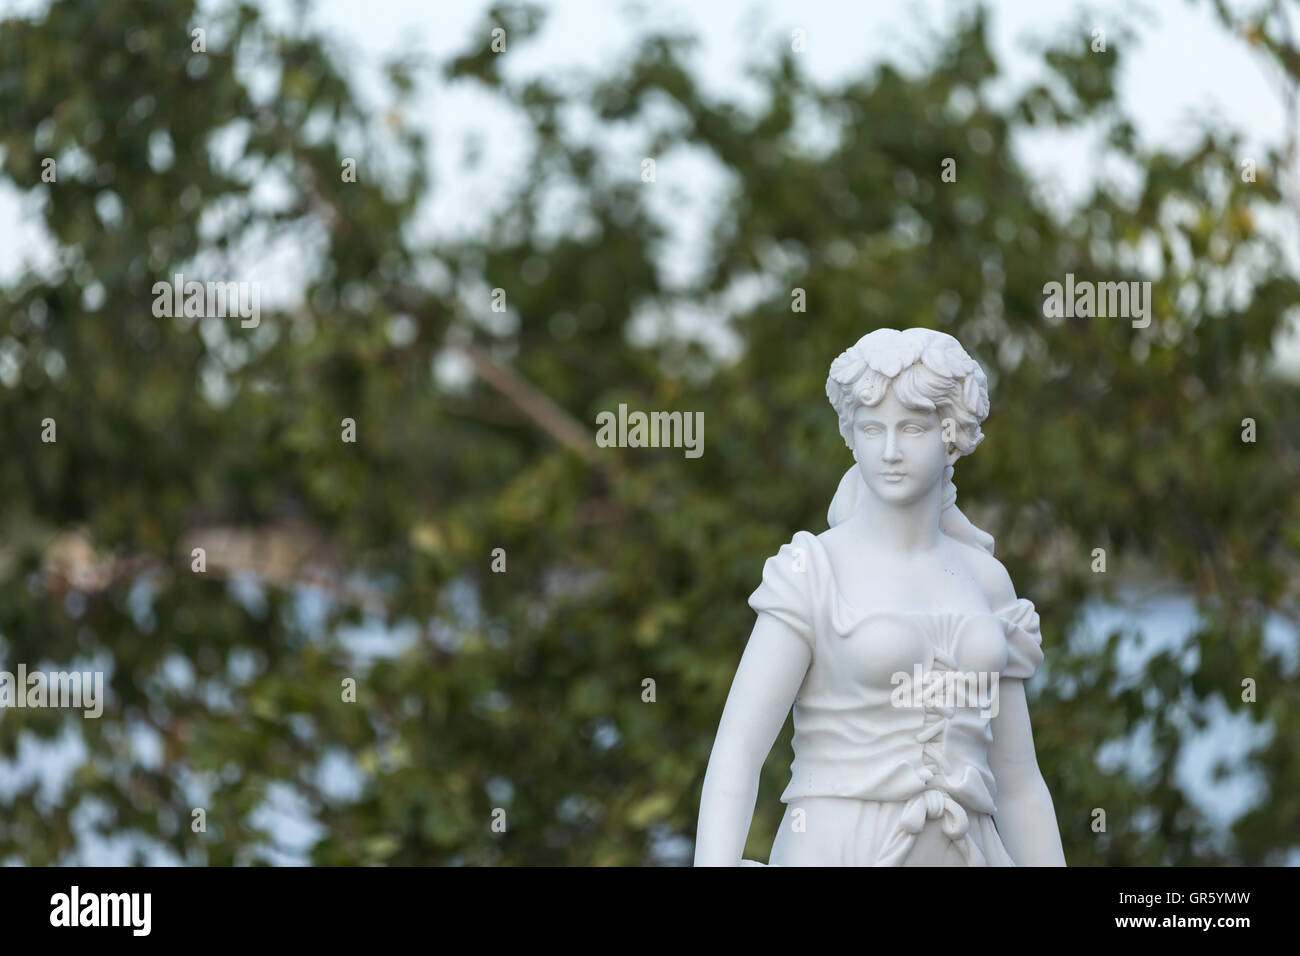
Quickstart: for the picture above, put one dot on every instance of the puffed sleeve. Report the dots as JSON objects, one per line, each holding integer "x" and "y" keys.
{"x": 786, "y": 591}
{"x": 1024, "y": 640}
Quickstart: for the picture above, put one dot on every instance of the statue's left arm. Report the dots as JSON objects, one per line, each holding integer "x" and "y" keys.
{"x": 1025, "y": 817}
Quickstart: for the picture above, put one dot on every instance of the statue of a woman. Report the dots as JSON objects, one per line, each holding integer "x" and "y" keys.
{"x": 899, "y": 640}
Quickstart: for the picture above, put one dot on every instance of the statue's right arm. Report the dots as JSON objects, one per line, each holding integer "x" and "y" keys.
{"x": 770, "y": 674}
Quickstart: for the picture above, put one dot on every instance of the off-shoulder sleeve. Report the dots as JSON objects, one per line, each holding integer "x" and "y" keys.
{"x": 1024, "y": 640}
{"x": 787, "y": 587}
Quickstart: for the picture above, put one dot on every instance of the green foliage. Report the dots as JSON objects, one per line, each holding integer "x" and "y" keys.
{"x": 622, "y": 564}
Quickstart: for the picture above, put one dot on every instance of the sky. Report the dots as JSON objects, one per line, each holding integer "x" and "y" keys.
{"x": 1184, "y": 72}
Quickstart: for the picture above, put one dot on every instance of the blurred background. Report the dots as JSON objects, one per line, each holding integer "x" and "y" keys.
{"x": 795, "y": 147}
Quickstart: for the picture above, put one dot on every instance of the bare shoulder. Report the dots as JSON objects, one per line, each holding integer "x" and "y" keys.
{"x": 844, "y": 546}
{"x": 988, "y": 572}
{"x": 833, "y": 539}
{"x": 833, "y": 533}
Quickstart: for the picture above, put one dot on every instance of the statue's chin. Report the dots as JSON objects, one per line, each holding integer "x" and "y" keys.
{"x": 900, "y": 495}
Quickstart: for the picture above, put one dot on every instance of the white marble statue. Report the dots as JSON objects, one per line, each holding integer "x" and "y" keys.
{"x": 900, "y": 642}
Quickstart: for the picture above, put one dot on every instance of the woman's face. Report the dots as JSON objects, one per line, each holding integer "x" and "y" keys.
{"x": 901, "y": 452}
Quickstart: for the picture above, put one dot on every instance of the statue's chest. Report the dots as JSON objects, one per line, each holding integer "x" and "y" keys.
{"x": 876, "y": 649}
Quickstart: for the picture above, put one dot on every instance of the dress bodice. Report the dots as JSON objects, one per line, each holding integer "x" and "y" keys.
{"x": 862, "y": 729}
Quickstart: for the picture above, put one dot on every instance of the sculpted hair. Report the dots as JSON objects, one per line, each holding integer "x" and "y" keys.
{"x": 929, "y": 371}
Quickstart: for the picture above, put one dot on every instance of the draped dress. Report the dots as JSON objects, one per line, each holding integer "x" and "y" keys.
{"x": 881, "y": 777}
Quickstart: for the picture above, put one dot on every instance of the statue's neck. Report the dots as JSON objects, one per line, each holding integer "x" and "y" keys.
{"x": 903, "y": 528}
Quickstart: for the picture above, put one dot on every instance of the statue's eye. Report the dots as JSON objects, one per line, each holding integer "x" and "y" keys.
{"x": 871, "y": 430}
{"x": 915, "y": 429}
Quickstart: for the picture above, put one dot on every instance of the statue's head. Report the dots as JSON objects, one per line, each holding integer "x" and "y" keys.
{"x": 910, "y": 404}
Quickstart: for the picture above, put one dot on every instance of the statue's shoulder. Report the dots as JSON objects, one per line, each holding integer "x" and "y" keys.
{"x": 831, "y": 540}
{"x": 789, "y": 587}
{"x": 803, "y": 553}
{"x": 988, "y": 572}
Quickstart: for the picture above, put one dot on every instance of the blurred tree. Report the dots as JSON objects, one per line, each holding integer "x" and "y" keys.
{"x": 524, "y": 690}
